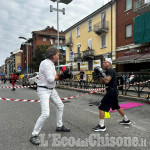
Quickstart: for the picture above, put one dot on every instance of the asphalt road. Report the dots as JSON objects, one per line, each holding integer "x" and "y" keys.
{"x": 17, "y": 120}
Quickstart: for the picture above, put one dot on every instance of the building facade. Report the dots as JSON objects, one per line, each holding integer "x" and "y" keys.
{"x": 132, "y": 35}
{"x": 15, "y": 62}
{"x": 92, "y": 39}
{"x": 7, "y": 66}
{"x": 47, "y": 36}
{"x": 27, "y": 50}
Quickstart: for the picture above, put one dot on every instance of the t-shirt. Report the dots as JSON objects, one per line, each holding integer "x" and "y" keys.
{"x": 112, "y": 85}
{"x": 81, "y": 75}
{"x": 131, "y": 77}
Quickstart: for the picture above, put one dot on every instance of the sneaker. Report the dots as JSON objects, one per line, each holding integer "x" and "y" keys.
{"x": 125, "y": 122}
{"x": 34, "y": 140}
{"x": 99, "y": 128}
{"x": 62, "y": 129}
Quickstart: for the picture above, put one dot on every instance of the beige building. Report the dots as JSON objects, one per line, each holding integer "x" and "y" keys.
{"x": 15, "y": 62}
{"x": 92, "y": 39}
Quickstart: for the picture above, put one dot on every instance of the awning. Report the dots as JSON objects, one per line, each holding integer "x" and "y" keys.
{"x": 138, "y": 58}
{"x": 66, "y": 65}
{"x": 62, "y": 47}
{"x": 1, "y": 74}
{"x": 126, "y": 59}
{"x": 141, "y": 28}
{"x": 143, "y": 58}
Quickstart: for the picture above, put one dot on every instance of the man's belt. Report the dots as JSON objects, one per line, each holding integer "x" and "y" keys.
{"x": 46, "y": 87}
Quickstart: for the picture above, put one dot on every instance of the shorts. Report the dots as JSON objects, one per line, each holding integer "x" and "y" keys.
{"x": 109, "y": 101}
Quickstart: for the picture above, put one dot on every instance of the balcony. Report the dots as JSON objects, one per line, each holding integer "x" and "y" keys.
{"x": 141, "y": 6}
{"x": 101, "y": 27}
{"x": 88, "y": 54}
{"x": 77, "y": 57}
{"x": 69, "y": 43}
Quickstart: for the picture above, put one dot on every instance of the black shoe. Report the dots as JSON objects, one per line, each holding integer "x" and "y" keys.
{"x": 13, "y": 89}
{"x": 125, "y": 122}
{"x": 99, "y": 128}
{"x": 34, "y": 140}
{"x": 62, "y": 129}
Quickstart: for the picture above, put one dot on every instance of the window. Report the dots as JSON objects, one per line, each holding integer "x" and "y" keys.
{"x": 44, "y": 39}
{"x": 103, "y": 20}
{"x": 70, "y": 35}
{"x": 90, "y": 43}
{"x": 78, "y": 48}
{"x": 78, "y": 66}
{"x": 78, "y": 31}
{"x": 129, "y": 31}
{"x": 51, "y": 40}
{"x": 55, "y": 41}
{"x": 103, "y": 41}
{"x": 90, "y": 25}
{"x": 60, "y": 41}
{"x": 128, "y": 4}
{"x": 90, "y": 65}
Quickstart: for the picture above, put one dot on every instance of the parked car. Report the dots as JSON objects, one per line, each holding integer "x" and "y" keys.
{"x": 33, "y": 80}
{"x": 25, "y": 80}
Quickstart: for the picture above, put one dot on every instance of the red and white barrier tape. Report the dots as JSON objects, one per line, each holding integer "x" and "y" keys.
{"x": 100, "y": 88}
{"x": 25, "y": 100}
{"x": 93, "y": 91}
{"x": 19, "y": 100}
{"x": 80, "y": 89}
{"x": 10, "y": 87}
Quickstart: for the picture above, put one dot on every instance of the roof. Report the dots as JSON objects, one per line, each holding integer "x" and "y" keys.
{"x": 17, "y": 51}
{"x": 49, "y": 31}
{"x": 46, "y": 34}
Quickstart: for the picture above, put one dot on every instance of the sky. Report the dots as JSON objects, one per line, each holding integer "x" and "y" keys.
{"x": 21, "y": 17}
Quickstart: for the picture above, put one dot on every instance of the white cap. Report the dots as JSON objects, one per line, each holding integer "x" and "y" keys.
{"x": 109, "y": 60}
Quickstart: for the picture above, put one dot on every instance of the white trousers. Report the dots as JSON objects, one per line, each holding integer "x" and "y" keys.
{"x": 45, "y": 95}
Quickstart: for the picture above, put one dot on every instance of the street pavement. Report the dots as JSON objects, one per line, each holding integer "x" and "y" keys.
{"x": 17, "y": 120}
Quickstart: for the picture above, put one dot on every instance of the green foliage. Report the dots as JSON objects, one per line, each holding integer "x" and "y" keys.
{"x": 40, "y": 52}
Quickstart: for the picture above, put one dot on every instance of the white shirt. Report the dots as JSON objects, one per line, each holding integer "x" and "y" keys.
{"x": 47, "y": 73}
{"x": 131, "y": 77}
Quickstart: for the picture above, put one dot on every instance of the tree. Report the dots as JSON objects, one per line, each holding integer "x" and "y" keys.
{"x": 40, "y": 52}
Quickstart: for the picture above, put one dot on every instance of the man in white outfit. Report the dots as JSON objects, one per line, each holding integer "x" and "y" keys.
{"x": 46, "y": 90}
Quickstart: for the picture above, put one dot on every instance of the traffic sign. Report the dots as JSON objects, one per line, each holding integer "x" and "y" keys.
{"x": 71, "y": 56}
{"x": 19, "y": 68}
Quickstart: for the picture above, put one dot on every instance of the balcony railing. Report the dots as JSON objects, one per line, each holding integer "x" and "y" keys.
{"x": 77, "y": 57}
{"x": 129, "y": 89}
{"x": 141, "y": 6}
{"x": 101, "y": 27}
{"x": 69, "y": 43}
{"x": 88, "y": 54}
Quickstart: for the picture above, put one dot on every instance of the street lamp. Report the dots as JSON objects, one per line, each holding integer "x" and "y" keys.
{"x": 20, "y": 37}
{"x": 58, "y": 10}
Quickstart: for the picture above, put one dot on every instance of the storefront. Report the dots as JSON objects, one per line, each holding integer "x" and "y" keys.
{"x": 133, "y": 60}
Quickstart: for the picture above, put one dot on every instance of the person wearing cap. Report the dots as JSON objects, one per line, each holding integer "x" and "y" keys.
{"x": 46, "y": 90}
{"x": 110, "y": 100}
